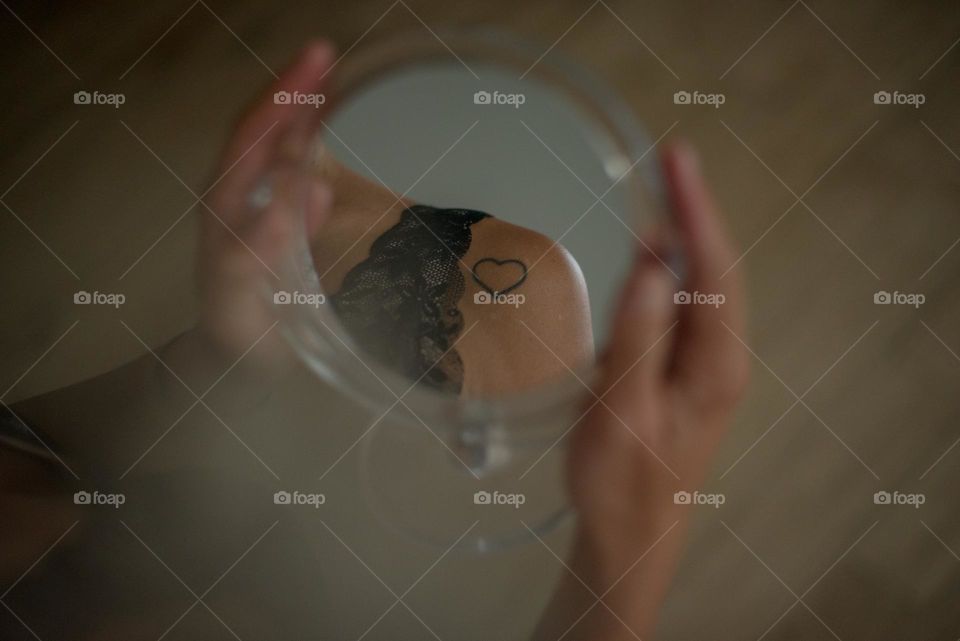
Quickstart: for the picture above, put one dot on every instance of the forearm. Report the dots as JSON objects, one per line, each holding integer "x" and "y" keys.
{"x": 612, "y": 593}
{"x": 103, "y": 424}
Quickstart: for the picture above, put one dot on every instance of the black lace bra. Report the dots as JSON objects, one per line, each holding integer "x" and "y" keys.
{"x": 400, "y": 303}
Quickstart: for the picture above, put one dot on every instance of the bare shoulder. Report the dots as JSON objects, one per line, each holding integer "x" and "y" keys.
{"x": 544, "y": 261}
{"x": 526, "y": 307}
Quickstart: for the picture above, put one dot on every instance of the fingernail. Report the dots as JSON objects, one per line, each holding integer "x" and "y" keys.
{"x": 649, "y": 289}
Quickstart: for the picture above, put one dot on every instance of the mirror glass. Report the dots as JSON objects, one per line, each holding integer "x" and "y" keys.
{"x": 484, "y": 215}
{"x": 486, "y": 207}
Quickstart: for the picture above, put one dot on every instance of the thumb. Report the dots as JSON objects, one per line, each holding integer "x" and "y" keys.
{"x": 297, "y": 203}
{"x": 637, "y": 355}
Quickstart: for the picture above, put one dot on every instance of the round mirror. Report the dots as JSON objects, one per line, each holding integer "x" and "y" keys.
{"x": 486, "y": 205}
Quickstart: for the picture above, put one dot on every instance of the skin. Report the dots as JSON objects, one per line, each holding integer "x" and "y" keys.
{"x": 676, "y": 389}
{"x": 500, "y": 355}
{"x": 676, "y": 392}
{"x": 527, "y": 345}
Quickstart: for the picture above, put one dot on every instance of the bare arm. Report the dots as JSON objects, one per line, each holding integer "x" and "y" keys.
{"x": 673, "y": 375}
{"x": 99, "y": 426}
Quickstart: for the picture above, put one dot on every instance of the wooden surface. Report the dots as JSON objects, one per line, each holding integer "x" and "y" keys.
{"x": 879, "y": 186}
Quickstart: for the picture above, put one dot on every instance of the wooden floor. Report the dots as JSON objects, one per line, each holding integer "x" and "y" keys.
{"x": 831, "y": 197}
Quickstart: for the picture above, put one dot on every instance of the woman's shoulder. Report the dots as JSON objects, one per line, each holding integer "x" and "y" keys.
{"x": 526, "y": 310}
{"x": 544, "y": 261}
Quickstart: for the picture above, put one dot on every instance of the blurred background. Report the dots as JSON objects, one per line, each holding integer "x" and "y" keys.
{"x": 834, "y": 194}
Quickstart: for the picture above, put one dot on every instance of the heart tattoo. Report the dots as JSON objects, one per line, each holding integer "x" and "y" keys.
{"x": 511, "y": 262}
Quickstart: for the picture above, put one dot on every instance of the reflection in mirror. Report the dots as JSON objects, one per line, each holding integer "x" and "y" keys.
{"x": 486, "y": 206}
{"x": 479, "y": 227}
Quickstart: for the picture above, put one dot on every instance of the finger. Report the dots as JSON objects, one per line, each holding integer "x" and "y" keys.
{"x": 319, "y": 204}
{"x": 297, "y": 210}
{"x": 709, "y": 357}
{"x": 632, "y": 367}
{"x": 635, "y": 360}
{"x": 273, "y": 128}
